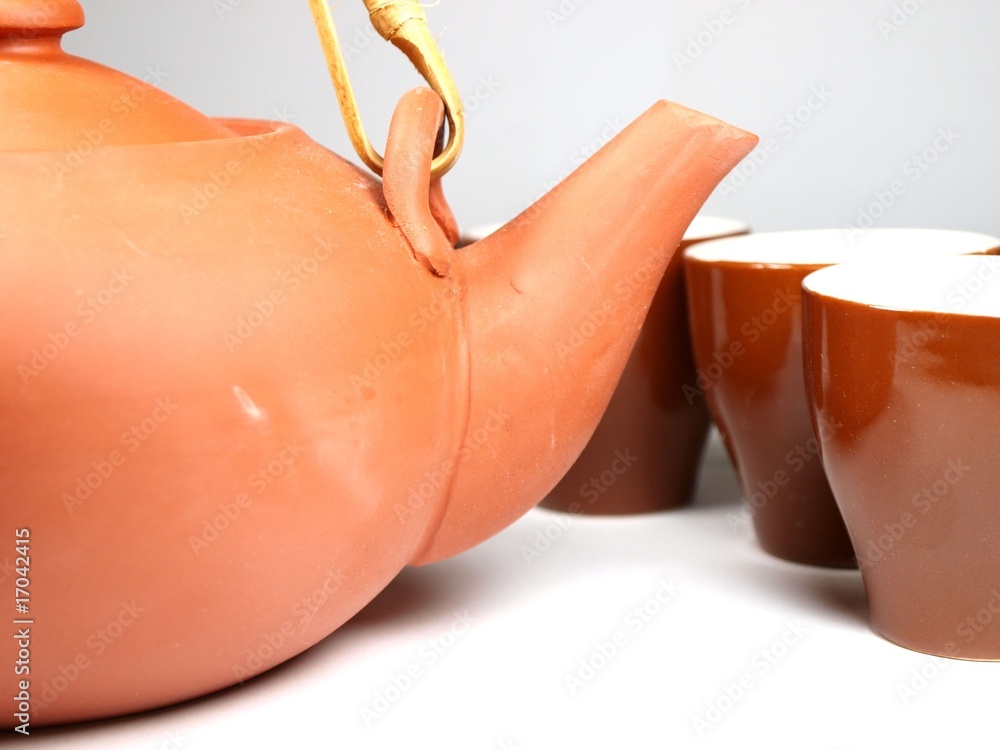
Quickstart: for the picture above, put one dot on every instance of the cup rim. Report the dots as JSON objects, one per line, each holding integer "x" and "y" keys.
{"x": 946, "y": 285}
{"x": 823, "y": 247}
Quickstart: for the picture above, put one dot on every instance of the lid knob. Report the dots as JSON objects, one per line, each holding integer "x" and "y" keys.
{"x": 52, "y": 101}
{"x": 32, "y": 18}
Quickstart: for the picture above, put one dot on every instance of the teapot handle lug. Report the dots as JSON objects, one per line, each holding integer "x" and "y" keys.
{"x": 414, "y": 197}
{"x": 404, "y": 23}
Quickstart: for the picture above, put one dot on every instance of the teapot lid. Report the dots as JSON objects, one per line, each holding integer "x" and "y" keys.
{"x": 50, "y": 100}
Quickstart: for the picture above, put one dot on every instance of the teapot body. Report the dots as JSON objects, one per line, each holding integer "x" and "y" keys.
{"x": 242, "y": 383}
{"x": 228, "y": 403}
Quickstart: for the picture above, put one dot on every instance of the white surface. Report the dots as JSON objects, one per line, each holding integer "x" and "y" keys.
{"x": 502, "y": 683}
{"x": 847, "y": 96}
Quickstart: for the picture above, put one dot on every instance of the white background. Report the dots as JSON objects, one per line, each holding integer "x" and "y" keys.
{"x": 556, "y": 83}
{"x": 561, "y": 78}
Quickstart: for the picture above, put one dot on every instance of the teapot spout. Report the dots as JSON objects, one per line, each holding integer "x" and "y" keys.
{"x": 554, "y": 303}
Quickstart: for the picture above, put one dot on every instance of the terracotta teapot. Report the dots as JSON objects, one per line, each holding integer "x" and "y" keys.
{"x": 244, "y": 383}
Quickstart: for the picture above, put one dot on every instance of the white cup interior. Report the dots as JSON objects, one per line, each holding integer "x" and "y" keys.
{"x": 964, "y": 284}
{"x": 829, "y": 246}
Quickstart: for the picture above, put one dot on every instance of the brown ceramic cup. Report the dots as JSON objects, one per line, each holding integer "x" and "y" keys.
{"x": 744, "y": 295}
{"x": 645, "y": 453}
{"x": 905, "y": 361}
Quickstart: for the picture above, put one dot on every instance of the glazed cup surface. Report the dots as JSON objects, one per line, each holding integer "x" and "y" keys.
{"x": 905, "y": 360}
{"x": 744, "y": 295}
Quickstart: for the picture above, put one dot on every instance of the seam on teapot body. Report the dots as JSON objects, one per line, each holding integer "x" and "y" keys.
{"x": 462, "y": 404}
